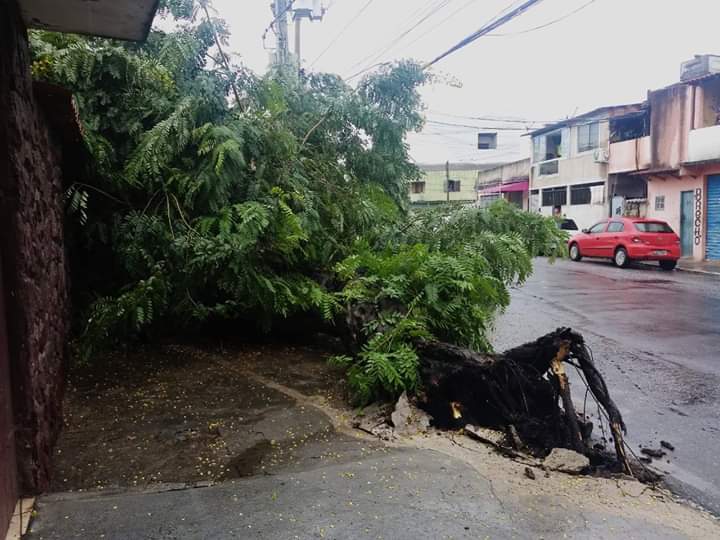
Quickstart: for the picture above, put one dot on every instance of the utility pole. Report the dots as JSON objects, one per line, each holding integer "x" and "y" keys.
{"x": 447, "y": 180}
{"x": 298, "y": 40}
{"x": 280, "y": 8}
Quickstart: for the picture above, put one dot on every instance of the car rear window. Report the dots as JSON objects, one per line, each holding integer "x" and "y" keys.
{"x": 653, "y": 227}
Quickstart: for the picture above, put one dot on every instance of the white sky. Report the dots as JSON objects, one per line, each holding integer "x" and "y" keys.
{"x": 609, "y": 53}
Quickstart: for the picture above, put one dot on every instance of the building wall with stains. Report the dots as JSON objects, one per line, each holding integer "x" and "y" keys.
{"x": 33, "y": 257}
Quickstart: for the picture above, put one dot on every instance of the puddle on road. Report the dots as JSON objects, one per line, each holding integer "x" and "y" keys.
{"x": 249, "y": 462}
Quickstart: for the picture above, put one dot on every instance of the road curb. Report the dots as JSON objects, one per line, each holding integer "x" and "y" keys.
{"x": 685, "y": 269}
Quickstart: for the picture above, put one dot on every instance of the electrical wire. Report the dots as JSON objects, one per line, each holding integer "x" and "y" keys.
{"x": 340, "y": 34}
{"x": 484, "y": 30}
{"x": 438, "y": 25}
{"x": 364, "y": 70}
{"x": 496, "y": 128}
{"x": 506, "y": 119}
{"x": 549, "y": 23}
{"x": 389, "y": 46}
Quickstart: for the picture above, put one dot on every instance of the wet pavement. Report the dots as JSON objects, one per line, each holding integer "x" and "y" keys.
{"x": 656, "y": 337}
{"x": 269, "y": 431}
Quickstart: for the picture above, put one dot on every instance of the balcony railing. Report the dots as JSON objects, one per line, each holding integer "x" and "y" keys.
{"x": 548, "y": 168}
{"x": 630, "y": 156}
{"x": 704, "y": 145}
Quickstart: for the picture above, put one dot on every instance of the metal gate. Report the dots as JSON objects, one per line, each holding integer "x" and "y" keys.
{"x": 712, "y": 235}
{"x": 8, "y": 467}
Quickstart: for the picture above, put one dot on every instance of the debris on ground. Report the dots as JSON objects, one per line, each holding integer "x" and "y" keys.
{"x": 567, "y": 461}
{"x": 529, "y": 473}
{"x": 373, "y": 420}
{"x": 653, "y": 452}
{"x": 407, "y": 419}
{"x": 523, "y": 392}
{"x": 667, "y": 446}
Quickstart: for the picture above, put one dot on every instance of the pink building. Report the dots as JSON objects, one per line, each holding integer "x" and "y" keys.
{"x": 665, "y": 161}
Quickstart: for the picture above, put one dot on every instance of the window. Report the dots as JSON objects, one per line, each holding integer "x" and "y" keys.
{"x": 554, "y": 196}
{"x": 545, "y": 169}
{"x": 417, "y": 187}
{"x": 549, "y": 146}
{"x": 453, "y": 186}
{"x": 653, "y": 227}
{"x": 487, "y": 141}
{"x": 582, "y": 193}
{"x": 568, "y": 225}
{"x": 598, "y": 227}
{"x": 632, "y": 126}
{"x": 588, "y": 136}
{"x": 616, "y": 226}
{"x": 660, "y": 202}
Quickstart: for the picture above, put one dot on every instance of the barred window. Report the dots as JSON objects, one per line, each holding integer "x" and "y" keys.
{"x": 554, "y": 196}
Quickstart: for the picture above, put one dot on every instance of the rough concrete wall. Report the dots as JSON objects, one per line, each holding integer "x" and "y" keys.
{"x": 31, "y": 240}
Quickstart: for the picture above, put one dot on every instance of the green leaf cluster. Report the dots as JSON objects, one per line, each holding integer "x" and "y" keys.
{"x": 213, "y": 194}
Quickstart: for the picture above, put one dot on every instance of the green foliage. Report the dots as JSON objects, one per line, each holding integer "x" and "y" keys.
{"x": 290, "y": 199}
{"x": 445, "y": 276}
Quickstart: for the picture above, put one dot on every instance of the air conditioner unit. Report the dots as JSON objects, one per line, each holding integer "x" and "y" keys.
{"x": 602, "y": 155}
{"x": 700, "y": 66}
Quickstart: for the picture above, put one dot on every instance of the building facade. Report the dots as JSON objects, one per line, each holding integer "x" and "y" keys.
{"x": 448, "y": 183}
{"x": 677, "y": 158}
{"x": 509, "y": 182}
{"x": 569, "y": 166}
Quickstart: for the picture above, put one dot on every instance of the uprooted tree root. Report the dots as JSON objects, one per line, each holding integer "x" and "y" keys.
{"x": 524, "y": 391}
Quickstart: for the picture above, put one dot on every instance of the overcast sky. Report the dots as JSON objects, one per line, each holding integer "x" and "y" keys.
{"x": 610, "y": 52}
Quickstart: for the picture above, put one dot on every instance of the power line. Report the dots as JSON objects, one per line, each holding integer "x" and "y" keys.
{"x": 388, "y": 47}
{"x": 340, "y": 34}
{"x": 492, "y": 128}
{"x": 486, "y": 29}
{"x": 492, "y": 118}
{"x": 421, "y": 9}
{"x": 277, "y": 18}
{"x": 438, "y": 25}
{"x": 549, "y": 23}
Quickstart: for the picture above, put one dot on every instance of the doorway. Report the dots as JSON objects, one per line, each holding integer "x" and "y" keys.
{"x": 687, "y": 211}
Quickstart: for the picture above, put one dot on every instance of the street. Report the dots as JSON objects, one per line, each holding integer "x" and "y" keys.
{"x": 655, "y": 336}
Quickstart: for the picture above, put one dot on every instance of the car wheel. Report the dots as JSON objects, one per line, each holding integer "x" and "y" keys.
{"x": 575, "y": 252}
{"x": 621, "y": 258}
{"x": 668, "y": 265}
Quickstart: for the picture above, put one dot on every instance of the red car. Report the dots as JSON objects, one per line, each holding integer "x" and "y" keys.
{"x": 627, "y": 239}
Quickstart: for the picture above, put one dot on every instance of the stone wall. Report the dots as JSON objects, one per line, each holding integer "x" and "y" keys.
{"x": 33, "y": 257}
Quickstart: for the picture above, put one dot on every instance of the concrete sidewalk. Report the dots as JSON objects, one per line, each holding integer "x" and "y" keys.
{"x": 327, "y": 480}
{"x": 700, "y": 267}
{"x": 405, "y": 494}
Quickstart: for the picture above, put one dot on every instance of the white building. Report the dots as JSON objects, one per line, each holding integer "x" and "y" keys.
{"x": 569, "y": 166}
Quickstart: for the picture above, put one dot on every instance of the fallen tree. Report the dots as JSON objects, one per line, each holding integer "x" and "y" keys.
{"x": 524, "y": 391}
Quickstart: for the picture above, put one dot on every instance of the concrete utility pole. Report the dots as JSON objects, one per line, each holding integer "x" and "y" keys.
{"x": 298, "y": 40}
{"x": 447, "y": 180}
{"x": 280, "y": 8}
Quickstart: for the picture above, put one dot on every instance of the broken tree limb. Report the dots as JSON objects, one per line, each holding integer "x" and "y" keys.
{"x": 599, "y": 389}
{"x": 558, "y": 368}
{"x": 518, "y": 388}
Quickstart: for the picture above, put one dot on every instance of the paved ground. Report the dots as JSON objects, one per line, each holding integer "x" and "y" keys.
{"x": 269, "y": 428}
{"x": 656, "y": 337}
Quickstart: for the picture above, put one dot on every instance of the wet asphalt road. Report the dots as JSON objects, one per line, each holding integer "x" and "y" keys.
{"x": 656, "y": 337}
